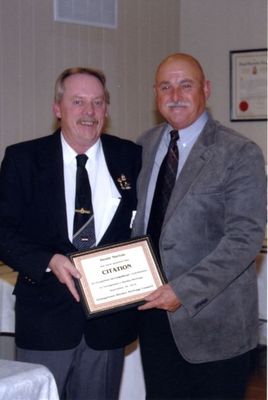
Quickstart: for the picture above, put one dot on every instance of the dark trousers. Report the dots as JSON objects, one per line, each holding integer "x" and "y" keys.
{"x": 169, "y": 376}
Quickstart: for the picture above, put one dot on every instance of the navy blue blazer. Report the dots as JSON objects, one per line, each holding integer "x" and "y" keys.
{"x": 33, "y": 227}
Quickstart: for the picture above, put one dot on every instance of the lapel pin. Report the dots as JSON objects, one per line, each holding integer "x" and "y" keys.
{"x": 122, "y": 180}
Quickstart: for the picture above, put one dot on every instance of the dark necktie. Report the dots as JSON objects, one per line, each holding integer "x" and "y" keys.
{"x": 164, "y": 185}
{"x": 83, "y": 229}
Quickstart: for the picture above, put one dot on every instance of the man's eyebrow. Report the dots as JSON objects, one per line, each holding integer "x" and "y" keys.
{"x": 163, "y": 83}
{"x": 187, "y": 80}
{"x": 77, "y": 96}
{"x": 180, "y": 81}
{"x": 81, "y": 96}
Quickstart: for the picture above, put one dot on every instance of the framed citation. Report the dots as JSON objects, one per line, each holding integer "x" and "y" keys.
{"x": 116, "y": 277}
{"x": 248, "y": 85}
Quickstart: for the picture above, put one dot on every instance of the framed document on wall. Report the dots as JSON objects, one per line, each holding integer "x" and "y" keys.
{"x": 248, "y": 85}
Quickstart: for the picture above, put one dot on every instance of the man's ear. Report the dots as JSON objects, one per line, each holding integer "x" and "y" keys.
{"x": 56, "y": 110}
{"x": 154, "y": 88}
{"x": 207, "y": 89}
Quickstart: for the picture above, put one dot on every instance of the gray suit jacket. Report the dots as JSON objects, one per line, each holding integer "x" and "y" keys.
{"x": 213, "y": 229}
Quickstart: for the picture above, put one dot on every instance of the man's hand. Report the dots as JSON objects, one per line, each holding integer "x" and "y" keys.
{"x": 163, "y": 298}
{"x": 64, "y": 270}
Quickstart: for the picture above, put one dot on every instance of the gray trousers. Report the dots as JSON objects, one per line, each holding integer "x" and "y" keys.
{"x": 81, "y": 373}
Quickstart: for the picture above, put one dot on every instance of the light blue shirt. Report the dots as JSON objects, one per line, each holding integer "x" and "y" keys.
{"x": 188, "y": 137}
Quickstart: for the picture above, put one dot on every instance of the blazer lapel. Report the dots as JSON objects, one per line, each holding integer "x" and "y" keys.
{"x": 200, "y": 154}
{"x": 111, "y": 157}
{"x": 148, "y": 157}
{"x": 51, "y": 179}
{"x": 114, "y": 166}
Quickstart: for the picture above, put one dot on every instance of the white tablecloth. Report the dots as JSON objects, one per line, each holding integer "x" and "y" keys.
{"x": 132, "y": 384}
{"x": 23, "y": 381}
{"x": 262, "y": 293}
{"x": 7, "y": 301}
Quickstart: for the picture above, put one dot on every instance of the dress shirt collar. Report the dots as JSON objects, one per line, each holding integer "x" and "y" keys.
{"x": 69, "y": 154}
{"x": 190, "y": 134}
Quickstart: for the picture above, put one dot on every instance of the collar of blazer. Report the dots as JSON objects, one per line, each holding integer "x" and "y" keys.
{"x": 118, "y": 163}
{"x": 116, "y": 156}
{"x": 201, "y": 153}
{"x": 47, "y": 167}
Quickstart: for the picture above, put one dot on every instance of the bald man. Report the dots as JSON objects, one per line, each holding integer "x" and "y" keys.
{"x": 198, "y": 330}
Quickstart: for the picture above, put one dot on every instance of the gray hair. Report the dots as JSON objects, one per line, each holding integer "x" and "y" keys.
{"x": 59, "y": 85}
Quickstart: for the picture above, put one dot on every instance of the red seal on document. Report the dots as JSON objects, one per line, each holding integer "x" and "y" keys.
{"x": 243, "y": 106}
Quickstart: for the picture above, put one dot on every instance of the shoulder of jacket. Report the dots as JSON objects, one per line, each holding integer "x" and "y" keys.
{"x": 33, "y": 144}
{"x": 146, "y": 135}
{"x": 119, "y": 144}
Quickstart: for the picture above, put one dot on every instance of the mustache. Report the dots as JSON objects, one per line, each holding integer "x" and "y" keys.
{"x": 181, "y": 103}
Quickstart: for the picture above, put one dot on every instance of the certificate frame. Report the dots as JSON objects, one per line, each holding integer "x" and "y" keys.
{"x": 248, "y": 85}
{"x": 117, "y": 276}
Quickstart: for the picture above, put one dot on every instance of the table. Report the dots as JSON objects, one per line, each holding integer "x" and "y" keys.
{"x": 262, "y": 294}
{"x": 7, "y": 315}
{"x": 7, "y": 300}
{"x": 7, "y": 274}
{"x": 21, "y": 381}
{"x": 132, "y": 384}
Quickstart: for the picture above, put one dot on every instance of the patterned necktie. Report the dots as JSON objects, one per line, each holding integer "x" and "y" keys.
{"x": 83, "y": 229}
{"x": 164, "y": 185}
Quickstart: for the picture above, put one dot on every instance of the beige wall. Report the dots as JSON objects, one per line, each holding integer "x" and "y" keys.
{"x": 209, "y": 32}
{"x": 34, "y": 50}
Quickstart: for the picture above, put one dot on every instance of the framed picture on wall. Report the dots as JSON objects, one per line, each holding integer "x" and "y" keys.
{"x": 248, "y": 85}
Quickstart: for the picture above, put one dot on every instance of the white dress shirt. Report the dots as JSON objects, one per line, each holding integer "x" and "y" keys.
{"x": 105, "y": 196}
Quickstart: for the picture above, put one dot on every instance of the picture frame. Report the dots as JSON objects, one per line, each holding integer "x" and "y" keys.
{"x": 248, "y": 85}
{"x": 116, "y": 277}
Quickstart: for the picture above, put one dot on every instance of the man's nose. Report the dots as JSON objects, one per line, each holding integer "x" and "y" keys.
{"x": 176, "y": 93}
{"x": 89, "y": 108}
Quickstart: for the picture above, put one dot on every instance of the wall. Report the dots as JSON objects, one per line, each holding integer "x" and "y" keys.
{"x": 209, "y": 29}
{"x": 34, "y": 50}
